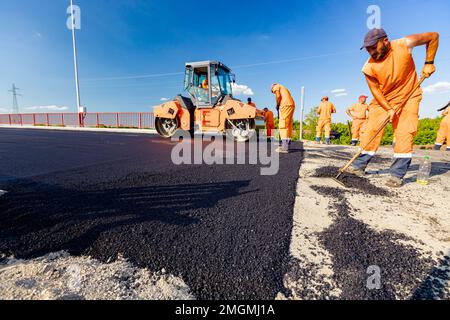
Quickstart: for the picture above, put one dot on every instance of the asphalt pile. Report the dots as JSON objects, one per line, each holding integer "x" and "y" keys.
{"x": 352, "y": 181}
{"x": 356, "y": 247}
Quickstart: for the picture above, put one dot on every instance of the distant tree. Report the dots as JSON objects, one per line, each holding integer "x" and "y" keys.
{"x": 310, "y": 124}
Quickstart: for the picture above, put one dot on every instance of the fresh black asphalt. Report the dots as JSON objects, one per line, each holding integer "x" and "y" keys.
{"x": 225, "y": 229}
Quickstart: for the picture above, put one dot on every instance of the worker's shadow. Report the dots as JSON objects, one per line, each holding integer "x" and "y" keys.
{"x": 44, "y": 218}
{"x": 434, "y": 287}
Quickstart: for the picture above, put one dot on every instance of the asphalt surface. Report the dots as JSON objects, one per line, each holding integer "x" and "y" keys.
{"x": 225, "y": 229}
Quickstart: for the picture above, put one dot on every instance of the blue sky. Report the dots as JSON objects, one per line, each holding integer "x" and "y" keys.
{"x": 132, "y": 53}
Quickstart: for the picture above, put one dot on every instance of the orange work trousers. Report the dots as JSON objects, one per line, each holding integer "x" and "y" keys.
{"x": 405, "y": 128}
{"x": 270, "y": 126}
{"x": 444, "y": 133}
{"x": 357, "y": 127}
{"x": 324, "y": 124}
{"x": 286, "y": 122}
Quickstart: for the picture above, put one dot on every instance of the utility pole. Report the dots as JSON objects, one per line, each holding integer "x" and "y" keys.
{"x": 15, "y": 94}
{"x": 302, "y": 112}
{"x": 75, "y": 59}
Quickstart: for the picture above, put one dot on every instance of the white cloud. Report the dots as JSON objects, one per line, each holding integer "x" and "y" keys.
{"x": 164, "y": 99}
{"x": 338, "y": 90}
{"x": 46, "y": 108}
{"x": 242, "y": 90}
{"x": 439, "y": 87}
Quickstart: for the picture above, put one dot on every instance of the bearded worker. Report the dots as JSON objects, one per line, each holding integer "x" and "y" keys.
{"x": 391, "y": 75}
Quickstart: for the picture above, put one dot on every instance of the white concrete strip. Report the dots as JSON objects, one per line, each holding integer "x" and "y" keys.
{"x": 419, "y": 213}
{"x": 139, "y": 131}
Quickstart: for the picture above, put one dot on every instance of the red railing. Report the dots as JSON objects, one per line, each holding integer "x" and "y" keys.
{"x": 134, "y": 120}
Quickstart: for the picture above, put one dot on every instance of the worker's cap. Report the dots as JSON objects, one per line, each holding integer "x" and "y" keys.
{"x": 325, "y": 98}
{"x": 373, "y": 36}
{"x": 363, "y": 97}
{"x": 273, "y": 87}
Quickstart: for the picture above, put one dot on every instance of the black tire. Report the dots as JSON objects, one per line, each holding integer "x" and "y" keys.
{"x": 166, "y": 128}
{"x": 249, "y": 126}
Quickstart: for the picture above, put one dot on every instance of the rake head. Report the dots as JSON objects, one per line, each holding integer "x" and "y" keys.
{"x": 336, "y": 179}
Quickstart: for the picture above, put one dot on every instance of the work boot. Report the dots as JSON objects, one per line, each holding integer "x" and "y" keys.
{"x": 394, "y": 182}
{"x": 437, "y": 147}
{"x": 269, "y": 140}
{"x": 356, "y": 171}
{"x": 400, "y": 167}
{"x": 281, "y": 150}
{"x": 317, "y": 140}
{"x": 354, "y": 143}
{"x": 284, "y": 147}
{"x": 327, "y": 141}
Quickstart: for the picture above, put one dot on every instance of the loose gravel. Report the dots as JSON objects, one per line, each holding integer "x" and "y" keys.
{"x": 59, "y": 276}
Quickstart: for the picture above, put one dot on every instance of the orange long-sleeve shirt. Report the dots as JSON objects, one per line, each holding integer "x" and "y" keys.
{"x": 325, "y": 110}
{"x": 269, "y": 117}
{"x": 359, "y": 111}
{"x": 396, "y": 74}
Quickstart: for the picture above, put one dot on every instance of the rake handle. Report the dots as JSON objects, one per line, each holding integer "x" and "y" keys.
{"x": 385, "y": 123}
{"x": 443, "y": 108}
{"x": 279, "y": 133}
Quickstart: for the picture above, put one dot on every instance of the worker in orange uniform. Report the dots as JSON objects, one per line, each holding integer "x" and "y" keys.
{"x": 251, "y": 103}
{"x": 444, "y": 131}
{"x": 391, "y": 75}
{"x": 205, "y": 84}
{"x": 325, "y": 110}
{"x": 286, "y": 108}
{"x": 270, "y": 123}
{"x": 358, "y": 113}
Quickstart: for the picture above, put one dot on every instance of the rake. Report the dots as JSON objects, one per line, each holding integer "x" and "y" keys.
{"x": 382, "y": 127}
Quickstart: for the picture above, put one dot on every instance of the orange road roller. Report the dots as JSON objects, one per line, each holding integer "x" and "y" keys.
{"x": 210, "y": 106}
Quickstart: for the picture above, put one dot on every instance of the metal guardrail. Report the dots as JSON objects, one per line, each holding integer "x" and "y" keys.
{"x": 134, "y": 120}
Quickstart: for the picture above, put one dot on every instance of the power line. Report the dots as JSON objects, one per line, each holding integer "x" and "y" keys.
{"x": 15, "y": 102}
{"x": 145, "y": 76}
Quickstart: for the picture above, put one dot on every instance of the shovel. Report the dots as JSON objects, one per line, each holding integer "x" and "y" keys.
{"x": 384, "y": 124}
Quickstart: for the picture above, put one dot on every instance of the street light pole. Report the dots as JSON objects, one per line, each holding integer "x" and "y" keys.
{"x": 302, "y": 111}
{"x": 75, "y": 60}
